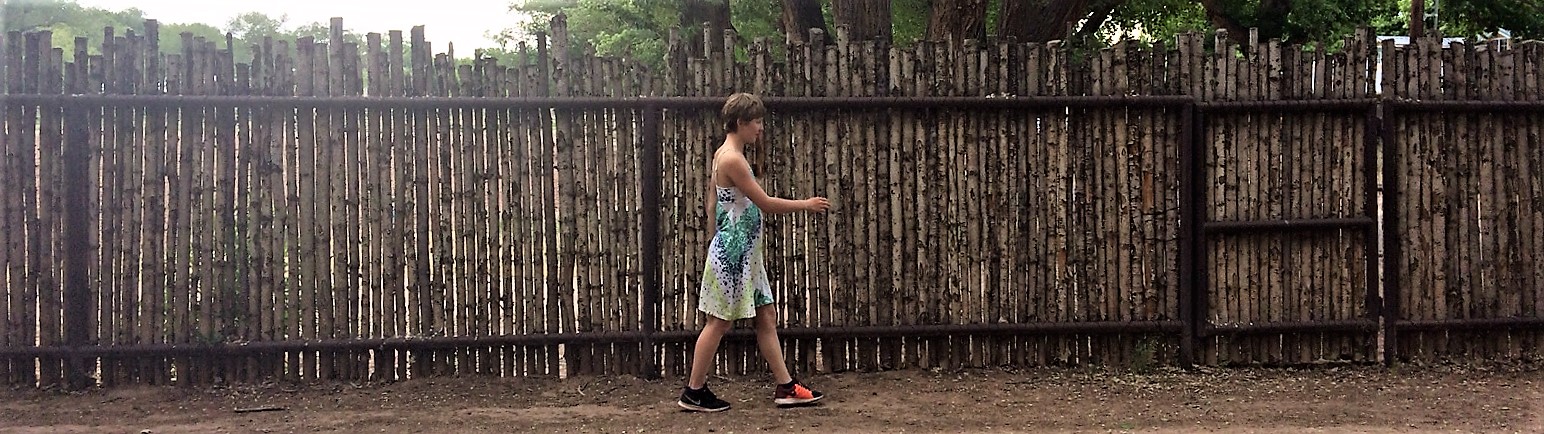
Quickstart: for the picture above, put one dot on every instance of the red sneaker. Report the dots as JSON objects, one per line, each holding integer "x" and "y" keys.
{"x": 795, "y": 393}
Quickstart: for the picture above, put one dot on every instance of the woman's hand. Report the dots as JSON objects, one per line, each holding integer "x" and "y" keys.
{"x": 816, "y": 204}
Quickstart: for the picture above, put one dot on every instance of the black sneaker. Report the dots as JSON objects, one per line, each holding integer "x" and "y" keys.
{"x": 701, "y": 400}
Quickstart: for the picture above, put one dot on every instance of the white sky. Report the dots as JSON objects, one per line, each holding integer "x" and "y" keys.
{"x": 467, "y": 23}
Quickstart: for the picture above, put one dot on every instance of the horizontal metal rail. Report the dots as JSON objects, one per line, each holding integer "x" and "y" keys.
{"x": 957, "y": 102}
{"x": 1470, "y": 324}
{"x": 1319, "y": 105}
{"x": 440, "y": 343}
{"x": 1358, "y": 325}
{"x": 1288, "y": 225}
{"x": 1460, "y": 106}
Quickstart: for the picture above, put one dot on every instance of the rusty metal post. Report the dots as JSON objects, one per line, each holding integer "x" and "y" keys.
{"x": 77, "y": 289}
{"x": 1189, "y": 230}
{"x": 650, "y": 173}
{"x": 1392, "y": 253}
{"x": 1374, "y": 300}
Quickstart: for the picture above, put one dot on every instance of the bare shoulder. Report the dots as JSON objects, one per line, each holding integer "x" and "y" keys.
{"x": 729, "y": 159}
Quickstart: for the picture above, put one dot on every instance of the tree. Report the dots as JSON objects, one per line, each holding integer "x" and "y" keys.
{"x": 1296, "y": 21}
{"x": 958, "y": 20}
{"x": 799, "y": 16}
{"x": 1151, "y": 20}
{"x": 865, "y": 19}
{"x": 68, "y": 20}
{"x": 640, "y": 29}
{"x": 1468, "y": 18}
{"x": 1047, "y": 20}
{"x": 699, "y": 17}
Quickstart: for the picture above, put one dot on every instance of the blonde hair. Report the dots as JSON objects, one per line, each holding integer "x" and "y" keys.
{"x": 741, "y": 107}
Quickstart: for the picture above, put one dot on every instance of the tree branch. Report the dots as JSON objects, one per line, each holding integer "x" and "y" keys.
{"x": 1220, "y": 19}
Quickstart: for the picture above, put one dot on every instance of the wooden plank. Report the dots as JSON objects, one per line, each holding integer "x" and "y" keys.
{"x": 12, "y": 211}
{"x": 1058, "y": 269}
{"x": 261, "y": 216}
{"x": 828, "y": 169}
{"x": 1295, "y": 144}
{"x": 513, "y": 239}
{"x": 1536, "y": 169}
{"x": 308, "y": 252}
{"x": 1475, "y": 183}
{"x": 1493, "y": 190}
{"x": 457, "y": 153}
{"x": 446, "y": 165}
{"x": 50, "y": 141}
{"x": 27, "y": 152}
{"x": 484, "y": 258}
{"x": 400, "y": 196}
{"x": 567, "y": 171}
{"x": 1509, "y": 240}
{"x": 1432, "y": 233}
{"x": 181, "y": 147}
{"x": 91, "y": 72}
{"x": 1532, "y": 224}
{"x": 590, "y": 306}
{"x": 357, "y": 294}
{"x": 126, "y": 72}
{"x": 352, "y": 292}
{"x": 1271, "y": 135}
{"x": 374, "y": 163}
{"x": 329, "y": 208}
{"x": 152, "y": 248}
{"x": 911, "y": 241}
{"x": 866, "y": 240}
{"x": 196, "y": 145}
{"x": 247, "y": 162}
{"x": 228, "y": 258}
{"x": 893, "y": 272}
{"x": 1230, "y": 289}
{"x": 997, "y": 159}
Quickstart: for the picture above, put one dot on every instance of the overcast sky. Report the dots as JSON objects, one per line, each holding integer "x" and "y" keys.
{"x": 464, "y": 22}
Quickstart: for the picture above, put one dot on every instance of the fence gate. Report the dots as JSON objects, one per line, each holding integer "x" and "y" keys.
{"x": 1283, "y": 254}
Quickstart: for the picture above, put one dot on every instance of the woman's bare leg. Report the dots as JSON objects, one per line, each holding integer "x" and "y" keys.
{"x": 707, "y": 347}
{"x": 771, "y": 348}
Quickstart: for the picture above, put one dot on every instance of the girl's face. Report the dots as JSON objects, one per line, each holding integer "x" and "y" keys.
{"x": 750, "y": 131}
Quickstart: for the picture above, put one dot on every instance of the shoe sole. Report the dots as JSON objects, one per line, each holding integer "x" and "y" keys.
{"x": 700, "y": 408}
{"x": 796, "y": 401}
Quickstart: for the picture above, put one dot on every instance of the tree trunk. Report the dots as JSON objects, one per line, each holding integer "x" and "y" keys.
{"x": 1219, "y": 17}
{"x": 714, "y": 14}
{"x": 957, "y": 20}
{"x": 1101, "y": 12}
{"x": 1039, "y": 20}
{"x": 865, "y": 19}
{"x": 799, "y": 16}
{"x": 1271, "y": 19}
{"x": 1417, "y": 19}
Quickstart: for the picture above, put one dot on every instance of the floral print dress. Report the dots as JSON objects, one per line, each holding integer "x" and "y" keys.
{"x": 734, "y": 281}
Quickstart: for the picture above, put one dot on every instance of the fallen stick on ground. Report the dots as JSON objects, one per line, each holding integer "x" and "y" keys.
{"x": 257, "y": 409}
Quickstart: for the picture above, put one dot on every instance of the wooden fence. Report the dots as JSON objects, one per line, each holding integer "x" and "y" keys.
{"x": 314, "y": 214}
{"x": 1470, "y": 206}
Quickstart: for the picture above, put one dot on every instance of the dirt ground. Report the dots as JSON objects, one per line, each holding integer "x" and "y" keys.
{"x": 1361, "y": 399}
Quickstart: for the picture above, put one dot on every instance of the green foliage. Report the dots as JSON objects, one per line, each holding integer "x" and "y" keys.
{"x": 1474, "y": 18}
{"x": 638, "y": 29}
{"x": 68, "y": 20}
{"x": 908, "y": 21}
